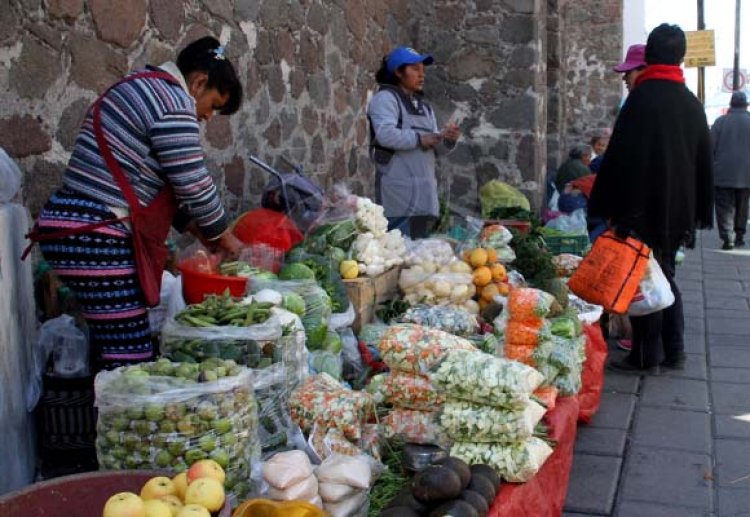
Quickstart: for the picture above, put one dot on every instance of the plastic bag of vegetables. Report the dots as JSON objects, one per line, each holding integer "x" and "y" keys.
{"x": 323, "y": 400}
{"x": 454, "y": 320}
{"x": 417, "y": 349}
{"x": 465, "y": 421}
{"x": 516, "y": 462}
{"x": 325, "y": 361}
{"x": 306, "y": 299}
{"x": 478, "y": 377}
{"x": 527, "y": 333}
{"x": 526, "y": 303}
{"x": 325, "y": 271}
{"x": 376, "y": 254}
{"x": 436, "y": 251}
{"x": 448, "y": 285}
{"x": 406, "y": 391}
{"x": 413, "y": 426}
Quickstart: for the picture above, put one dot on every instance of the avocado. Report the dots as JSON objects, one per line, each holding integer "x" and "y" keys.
{"x": 455, "y": 508}
{"x": 489, "y": 473}
{"x": 405, "y": 498}
{"x": 458, "y": 466}
{"x": 477, "y": 501}
{"x": 399, "y": 511}
{"x": 436, "y": 483}
{"x": 483, "y": 487}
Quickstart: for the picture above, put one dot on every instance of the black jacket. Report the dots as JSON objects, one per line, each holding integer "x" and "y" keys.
{"x": 656, "y": 177}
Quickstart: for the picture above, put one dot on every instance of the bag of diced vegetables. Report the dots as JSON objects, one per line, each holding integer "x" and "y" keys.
{"x": 516, "y": 462}
{"x": 454, "y": 320}
{"x": 405, "y": 390}
{"x": 323, "y": 400}
{"x": 436, "y": 251}
{"x": 416, "y": 349}
{"x": 529, "y": 332}
{"x": 474, "y": 376}
{"x": 466, "y": 421}
{"x": 525, "y": 303}
{"x": 413, "y": 426}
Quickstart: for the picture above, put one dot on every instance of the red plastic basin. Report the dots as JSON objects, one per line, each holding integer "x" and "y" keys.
{"x": 197, "y": 284}
{"x": 81, "y": 495}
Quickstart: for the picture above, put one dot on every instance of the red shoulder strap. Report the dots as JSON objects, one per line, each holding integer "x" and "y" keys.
{"x": 101, "y": 139}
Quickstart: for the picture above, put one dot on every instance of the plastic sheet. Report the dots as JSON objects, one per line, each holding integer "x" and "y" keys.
{"x": 21, "y": 384}
{"x": 160, "y": 415}
{"x": 544, "y": 494}
{"x": 593, "y": 373}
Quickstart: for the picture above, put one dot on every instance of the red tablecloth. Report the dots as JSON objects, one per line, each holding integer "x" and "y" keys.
{"x": 593, "y": 373}
{"x": 544, "y": 494}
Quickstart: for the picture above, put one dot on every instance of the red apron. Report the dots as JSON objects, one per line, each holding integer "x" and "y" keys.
{"x": 150, "y": 225}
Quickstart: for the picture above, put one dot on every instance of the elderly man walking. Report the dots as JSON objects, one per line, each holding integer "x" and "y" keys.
{"x": 730, "y": 136}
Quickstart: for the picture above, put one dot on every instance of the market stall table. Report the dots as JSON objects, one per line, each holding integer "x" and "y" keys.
{"x": 544, "y": 494}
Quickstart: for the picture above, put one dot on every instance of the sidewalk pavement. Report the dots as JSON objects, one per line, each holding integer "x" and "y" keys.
{"x": 678, "y": 445}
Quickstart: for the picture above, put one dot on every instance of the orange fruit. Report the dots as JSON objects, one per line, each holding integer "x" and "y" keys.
{"x": 482, "y": 276}
{"x": 478, "y": 257}
{"x": 498, "y": 272}
{"x": 467, "y": 256}
{"x": 491, "y": 255}
{"x": 489, "y": 292}
{"x": 503, "y": 288}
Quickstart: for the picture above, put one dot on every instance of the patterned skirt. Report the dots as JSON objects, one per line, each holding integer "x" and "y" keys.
{"x": 99, "y": 267}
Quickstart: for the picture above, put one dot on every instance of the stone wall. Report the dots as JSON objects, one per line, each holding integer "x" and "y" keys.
{"x": 517, "y": 74}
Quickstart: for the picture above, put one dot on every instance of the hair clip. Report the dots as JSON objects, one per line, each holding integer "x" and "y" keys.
{"x": 218, "y": 53}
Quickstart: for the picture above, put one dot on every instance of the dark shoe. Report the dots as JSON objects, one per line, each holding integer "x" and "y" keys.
{"x": 628, "y": 368}
{"x": 727, "y": 246}
{"x": 739, "y": 243}
{"x": 674, "y": 364}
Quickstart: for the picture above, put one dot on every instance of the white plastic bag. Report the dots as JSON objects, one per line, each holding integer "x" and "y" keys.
{"x": 10, "y": 177}
{"x": 306, "y": 489}
{"x": 354, "y": 471}
{"x": 654, "y": 292}
{"x": 286, "y": 469}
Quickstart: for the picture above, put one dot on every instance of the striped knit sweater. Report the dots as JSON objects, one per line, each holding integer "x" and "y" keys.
{"x": 152, "y": 129}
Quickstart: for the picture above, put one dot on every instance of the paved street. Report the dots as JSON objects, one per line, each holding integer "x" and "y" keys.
{"x": 678, "y": 445}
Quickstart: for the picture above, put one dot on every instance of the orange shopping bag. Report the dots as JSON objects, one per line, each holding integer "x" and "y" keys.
{"x": 610, "y": 274}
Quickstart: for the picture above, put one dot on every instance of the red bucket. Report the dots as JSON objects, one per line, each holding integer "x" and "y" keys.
{"x": 81, "y": 495}
{"x": 197, "y": 284}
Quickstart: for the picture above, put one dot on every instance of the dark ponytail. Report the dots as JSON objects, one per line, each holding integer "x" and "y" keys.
{"x": 206, "y": 55}
{"x": 383, "y": 76}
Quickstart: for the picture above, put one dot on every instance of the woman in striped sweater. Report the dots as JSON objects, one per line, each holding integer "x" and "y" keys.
{"x": 144, "y": 131}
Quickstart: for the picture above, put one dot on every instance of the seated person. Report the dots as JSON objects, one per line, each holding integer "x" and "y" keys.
{"x": 575, "y": 168}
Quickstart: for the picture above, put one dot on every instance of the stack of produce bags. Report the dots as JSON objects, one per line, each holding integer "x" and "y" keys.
{"x": 411, "y": 352}
{"x": 453, "y": 320}
{"x": 568, "y": 353}
{"x": 290, "y": 476}
{"x": 490, "y": 413}
{"x": 343, "y": 484}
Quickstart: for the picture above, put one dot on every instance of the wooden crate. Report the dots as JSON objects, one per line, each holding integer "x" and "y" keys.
{"x": 367, "y": 293}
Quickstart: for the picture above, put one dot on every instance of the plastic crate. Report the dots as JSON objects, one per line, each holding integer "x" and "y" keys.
{"x": 574, "y": 244}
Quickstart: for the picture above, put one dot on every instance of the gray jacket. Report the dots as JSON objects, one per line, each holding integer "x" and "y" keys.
{"x": 730, "y": 139}
{"x": 406, "y": 184}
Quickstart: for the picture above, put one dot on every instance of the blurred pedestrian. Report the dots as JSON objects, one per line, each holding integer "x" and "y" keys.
{"x": 656, "y": 183}
{"x": 730, "y": 136}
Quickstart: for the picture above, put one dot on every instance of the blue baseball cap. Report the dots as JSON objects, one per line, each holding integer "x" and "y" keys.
{"x": 406, "y": 56}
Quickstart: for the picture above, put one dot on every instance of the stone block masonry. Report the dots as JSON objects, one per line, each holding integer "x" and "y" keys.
{"x": 519, "y": 75}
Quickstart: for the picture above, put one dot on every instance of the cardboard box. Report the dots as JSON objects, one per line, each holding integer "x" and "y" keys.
{"x": 366, "y": 293}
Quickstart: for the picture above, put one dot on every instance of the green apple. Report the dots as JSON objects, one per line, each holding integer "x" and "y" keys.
{"x": 132, "y": 462}
{"x": 142, "y": 427}
{"x": 220, "y": 456}
{"x": 188, "y": 425}
{"x": 207, "y": 411}
{"x": 119, "y": 453}
{"x": 207, "y": 442}
{"x": 177, "y": 447}
{"x": 130, "y": 441}
{"x": 179, "y": 465}
{"x": 160, "y": 440}
{"x": 119, "y": 423}
{"x": 154, "y": 413}
{"x": 194, "y": 455}
{"x": 221, "y": 371}
{"x": 134, "y": 413}
{"x": 163, "y": 459}
{"x": 113, "y": 437}
{"x": 167, "y": 426}
{"x": 208, "y": 376}
{"x": 222, "y": 425}
{"x": 228, "y": 439}
{"x": 175, "y": 411}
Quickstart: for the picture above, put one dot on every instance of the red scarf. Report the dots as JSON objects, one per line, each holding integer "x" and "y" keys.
{"x": 663, "y": 72}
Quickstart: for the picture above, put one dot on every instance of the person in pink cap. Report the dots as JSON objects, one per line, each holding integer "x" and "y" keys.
{"x": 634, "y": 64}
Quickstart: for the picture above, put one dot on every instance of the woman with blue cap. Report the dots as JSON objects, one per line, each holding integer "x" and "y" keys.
{"x": 404, "y": 139}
